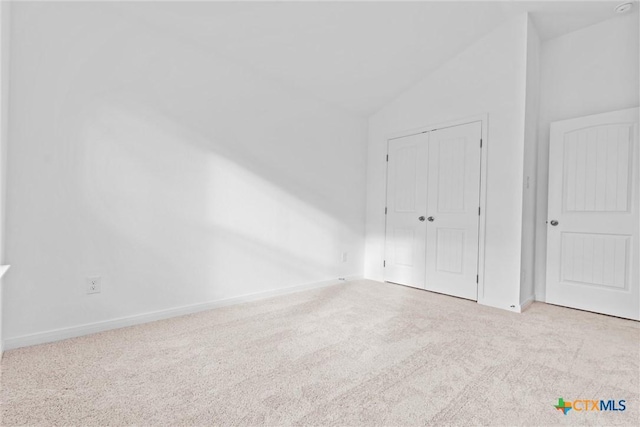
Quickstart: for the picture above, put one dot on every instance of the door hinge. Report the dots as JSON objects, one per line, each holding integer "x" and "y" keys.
{"x": 385, "y": 210}
{"x": 480, "y": 142}
{"x": 384, "y": 263}
{"x": 477, "y": 278}
{"x": 387, "y": 157}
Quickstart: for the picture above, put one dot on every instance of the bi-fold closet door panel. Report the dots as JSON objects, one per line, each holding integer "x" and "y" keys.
{"x": 436, "y": 243}
{"x": 453, "y": 206}
{"x": 406, "y": 205}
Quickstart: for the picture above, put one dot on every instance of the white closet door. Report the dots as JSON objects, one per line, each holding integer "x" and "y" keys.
{"x": 406, "y": 204}
{"x": 453, "y": 210}
{"x": 593, "y": 259}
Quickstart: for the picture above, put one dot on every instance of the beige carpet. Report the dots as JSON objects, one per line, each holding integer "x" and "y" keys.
{"x": 361, "y": 353}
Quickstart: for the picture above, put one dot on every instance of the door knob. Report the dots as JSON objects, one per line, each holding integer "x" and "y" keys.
{"x": 430, "y": 219}
{"x": 421, "y": 219}
{"x": 554, "y": 222}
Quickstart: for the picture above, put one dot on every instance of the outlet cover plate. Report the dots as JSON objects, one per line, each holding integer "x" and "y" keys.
{"x": 94, "y": 285}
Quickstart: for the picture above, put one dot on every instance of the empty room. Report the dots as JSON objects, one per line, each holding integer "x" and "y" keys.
{"x": 347, "y": 213}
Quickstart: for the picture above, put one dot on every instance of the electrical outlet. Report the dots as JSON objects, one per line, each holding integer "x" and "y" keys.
{"x": 93, "y": 285}
{"x": 344, "y": 256}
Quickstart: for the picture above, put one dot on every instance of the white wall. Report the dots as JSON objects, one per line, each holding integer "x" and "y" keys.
{"x": 532, "y": 104}
{"x": 589, "y": 71}
{"x": 4, "y": 122}
{"x": 488, "y": 77}
{"x": 175, "y": 174}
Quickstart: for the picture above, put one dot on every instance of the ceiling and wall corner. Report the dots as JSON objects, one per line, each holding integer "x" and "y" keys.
{"x": 358, "y": 56}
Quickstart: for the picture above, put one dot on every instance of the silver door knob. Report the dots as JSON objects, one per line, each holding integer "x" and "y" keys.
{"x": 430, "y": 219}
{"x": 421, "y": 219}
{"x": 554, "y": 222}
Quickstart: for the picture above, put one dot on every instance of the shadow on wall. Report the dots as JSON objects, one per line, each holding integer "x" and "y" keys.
{"x": 194, "y": 212}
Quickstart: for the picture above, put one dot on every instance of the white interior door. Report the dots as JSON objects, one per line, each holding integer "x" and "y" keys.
{"x": 592, "y": 231}
{"x": 406, "y": 203}
{"x": 453, "y": 210}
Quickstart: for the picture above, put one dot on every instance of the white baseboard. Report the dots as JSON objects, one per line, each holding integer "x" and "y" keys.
{"x": 92, "y": 328}
{"x": 516, "y": 308}
{"x": 526, "y": 303}
{"x": 3, "y": 270}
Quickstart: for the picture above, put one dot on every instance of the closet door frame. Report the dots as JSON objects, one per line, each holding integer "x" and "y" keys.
{"x": 484, "y": 119}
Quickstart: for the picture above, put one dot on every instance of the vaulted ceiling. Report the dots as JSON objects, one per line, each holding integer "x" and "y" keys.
{"x": 355, "y": 55}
